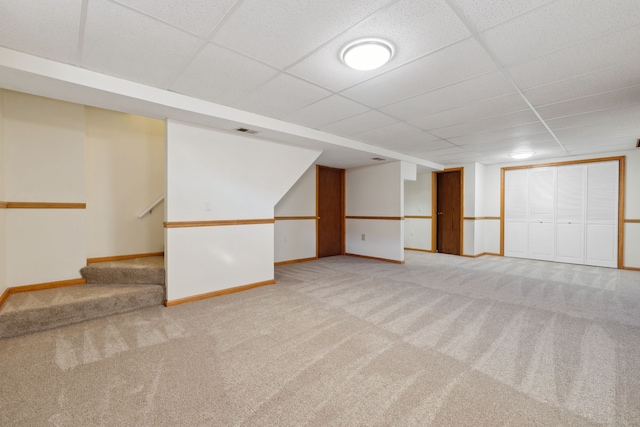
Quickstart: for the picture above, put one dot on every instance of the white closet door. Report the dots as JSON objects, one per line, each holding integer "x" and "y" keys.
{"x": 570, "y": 207}
{"x": 516, "y": 207}
{"x": 541, "y": 214}
{"x": 602, "y": 214}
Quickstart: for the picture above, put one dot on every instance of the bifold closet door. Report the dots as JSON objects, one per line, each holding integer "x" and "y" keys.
{"x": 516, "y": 207}
{"x": 570, "y": 207}
{"x": 563, "y": 213}
{"x": 602, "y": 214}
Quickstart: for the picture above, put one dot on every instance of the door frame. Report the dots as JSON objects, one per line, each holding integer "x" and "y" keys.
{"x": 434, "y": 208}
{"x": 342, "y": 213}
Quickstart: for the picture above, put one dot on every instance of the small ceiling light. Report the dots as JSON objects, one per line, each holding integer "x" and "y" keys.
{"x": 367, "y": 54}
{"x": 522, "y": 156}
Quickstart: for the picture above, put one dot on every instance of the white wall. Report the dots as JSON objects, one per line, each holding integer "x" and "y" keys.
{"x": 125, "y": 173}
{"x": 375, "y": 191}
{"x": 295, "y": 239}
{"x": 417, "y": 202}
{"x": 214, "y": 175}
{"x": 44, "y": 162}
{"x": 3, "y": 213}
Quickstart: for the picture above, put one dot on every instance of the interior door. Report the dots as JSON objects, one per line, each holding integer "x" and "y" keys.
{"x": 448, "y": 212}
{"x": 330, "y": 228}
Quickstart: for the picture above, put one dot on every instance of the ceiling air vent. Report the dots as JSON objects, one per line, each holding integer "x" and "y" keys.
{"x": 245, "y": 130}
{"x": 378, "y": 159}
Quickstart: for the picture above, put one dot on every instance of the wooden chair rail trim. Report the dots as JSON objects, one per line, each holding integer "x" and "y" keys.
{"x": 218, "y": 223}
{"x": 393, "y": 261}
{"x": 169, "y": 303}
{"x": 42, "y": 205}
{"x": 122, "y": 257}
{"x": 418, "y": 216}
{"x": 632, "y": 221}
{"x": 294, "y": 218}
{"x": 390, "y": 218}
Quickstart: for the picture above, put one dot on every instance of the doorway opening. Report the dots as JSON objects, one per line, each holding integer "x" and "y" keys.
{"x": 447, "y": 211}
{"x": 330, "y": 211}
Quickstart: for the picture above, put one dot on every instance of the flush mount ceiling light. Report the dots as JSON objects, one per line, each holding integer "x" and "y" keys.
{"x": 521, "y": 156}
{"x": 367, "y": 54}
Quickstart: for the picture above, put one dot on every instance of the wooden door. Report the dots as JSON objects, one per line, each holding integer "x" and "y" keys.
{"x": 448, "y": 212}
{"x": 330, "y": 228}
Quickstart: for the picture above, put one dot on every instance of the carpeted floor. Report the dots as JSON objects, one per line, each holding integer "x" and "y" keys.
{"x": 441, "y": 340}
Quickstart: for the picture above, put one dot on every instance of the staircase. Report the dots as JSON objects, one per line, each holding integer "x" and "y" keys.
{"x": 112, "y": 288}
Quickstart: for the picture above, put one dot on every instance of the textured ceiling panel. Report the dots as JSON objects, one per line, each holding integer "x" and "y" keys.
{"x": 610, "y": 79}
{"x": 486, "y": 14}
{"x": 281, "y": 32}
{"x": 459, "y": 62}
{"x": 500, "y": 134}
{"x": 488, "y": 124}
{"x": 46, "y": 29}
{"x": 360, "y": 123}
{"x": 325, "y": 111}
{"x": 394, "y": 132}
{"x": 473, "y": 111}
{"x": 281, "y": 96}
{"x": 487, "y": 86}
{"x": 601, "y": 101}
{"x": 222, "y": 76}
{"x": 123, "y": 43}
{"x": 198, "y": 17}
{"x": 433, "y": 25}
{"x": 614, "y": 49}
{"x": 558, "y": 25}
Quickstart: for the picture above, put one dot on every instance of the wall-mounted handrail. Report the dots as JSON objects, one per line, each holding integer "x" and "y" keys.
{"x": 151, "y": 206}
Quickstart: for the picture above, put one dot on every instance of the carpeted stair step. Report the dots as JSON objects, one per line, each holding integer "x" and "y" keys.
{"x": 40, "y": 310}
{"x": 148, "y": 270}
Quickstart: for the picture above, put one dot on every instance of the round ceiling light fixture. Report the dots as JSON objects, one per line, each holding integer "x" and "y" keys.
{"x": 522, "y": 156}
{"x": 367, "y": 54}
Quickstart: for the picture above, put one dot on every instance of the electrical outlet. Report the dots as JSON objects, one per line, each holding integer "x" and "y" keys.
{"x": 207, "y": 205}
{"x": 363, "y": 237}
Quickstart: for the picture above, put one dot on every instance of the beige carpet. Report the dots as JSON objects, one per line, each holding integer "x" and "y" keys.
{"x": 442, "y": 340}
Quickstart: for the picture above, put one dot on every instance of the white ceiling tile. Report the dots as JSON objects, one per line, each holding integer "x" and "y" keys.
{"x": 280, "y": 32}
{"x": 46, "y": 29}
{"x": 281, "y": 96}
{"x": 325, "y": 111}
{"x": 615, "y": 78}
{"x": 473, "y": 111}
{"x": 602, "y": 101}
{"x": 394, "y": 132}
{"x": 501, "y": 134}
{"x": 360, "y": 123}
{"x": 600, "y": 132}
{"x": 222, "y": 76}
{"x": 613, "y": 49}
{"x": 516, "y": 142}
{"x": 195, "y": 16}
{"x": 486, "y": 14}
{"x": 452, "y": 64}
{"x": 415, "y": 147}
{"x": 123, "y": 43}
{"x": 615, "y": 118}
{"x": 576, "y": 147}
{"x": 558, "y": 25}
{"x": 486, "y": 125}
{"x": 433, "y": 25}
{"x": 486, "y": 86}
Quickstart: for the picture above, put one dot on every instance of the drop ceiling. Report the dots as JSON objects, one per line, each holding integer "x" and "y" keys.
{"x": 470, "y": 81}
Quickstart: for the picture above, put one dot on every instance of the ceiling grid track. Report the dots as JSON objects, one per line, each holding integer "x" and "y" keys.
{"x": 503, "y": 70}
